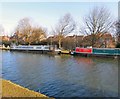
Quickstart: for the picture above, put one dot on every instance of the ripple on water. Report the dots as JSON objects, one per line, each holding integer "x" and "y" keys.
{"x": 62, "y": 76}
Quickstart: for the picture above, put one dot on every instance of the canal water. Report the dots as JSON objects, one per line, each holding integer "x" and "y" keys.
{"x": 62, "y": 75}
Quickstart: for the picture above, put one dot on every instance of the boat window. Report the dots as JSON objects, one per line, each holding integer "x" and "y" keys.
{"x": 46, "y": 47}
{"x": 25, "y": 47}
{"x": 38, "y": 47}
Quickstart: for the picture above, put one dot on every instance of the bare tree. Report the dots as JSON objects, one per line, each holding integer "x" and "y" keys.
{"x": 65, "y": 25}
{"x": 98, "y": 21}
{"x": 23, "y": 30}
{"x": 118, "y": 30}
{"x": 117, "y": 33}
{"x": 38, "y": 34}
{"x": 26, "y": 33}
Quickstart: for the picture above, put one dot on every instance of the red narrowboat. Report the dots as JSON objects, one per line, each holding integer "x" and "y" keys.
{"x": 83, "y": 50}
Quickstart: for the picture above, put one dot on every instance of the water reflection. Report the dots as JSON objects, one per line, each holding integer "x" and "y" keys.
{"x": 62, "y": 76}
{"x": 86, "y": 60}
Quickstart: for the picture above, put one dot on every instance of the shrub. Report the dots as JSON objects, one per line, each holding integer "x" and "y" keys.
{"x": 118, "y": 45}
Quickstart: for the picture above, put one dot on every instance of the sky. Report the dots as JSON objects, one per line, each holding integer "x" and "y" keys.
{"x": 47, "y": 14}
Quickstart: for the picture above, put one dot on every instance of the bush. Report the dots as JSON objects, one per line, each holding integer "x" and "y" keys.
{"x": 6, "y": 43}
{"x": 118, "y": 45}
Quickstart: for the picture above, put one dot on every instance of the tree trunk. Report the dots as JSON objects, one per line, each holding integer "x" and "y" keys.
{"x": 93, "y": 41}
{"x": 59, "y": 43}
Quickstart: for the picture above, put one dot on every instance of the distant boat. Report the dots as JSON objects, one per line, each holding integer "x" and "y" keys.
{"x": 31, "y": 47}
{"x": 38, "y": 48}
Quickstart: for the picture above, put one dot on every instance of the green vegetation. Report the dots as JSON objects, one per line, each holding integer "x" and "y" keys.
{"x": 118, "y": 45}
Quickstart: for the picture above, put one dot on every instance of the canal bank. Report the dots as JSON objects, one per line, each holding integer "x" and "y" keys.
{"x": 10, "y": 89}
{"x": 79, "y": 51}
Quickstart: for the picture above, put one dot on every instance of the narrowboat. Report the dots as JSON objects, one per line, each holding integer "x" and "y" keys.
{"x": 96, "y": 51}
{"x": 36, "y": 48}
{"x": 30, "y": 47}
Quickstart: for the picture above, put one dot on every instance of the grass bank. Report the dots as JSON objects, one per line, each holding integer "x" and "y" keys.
{"x": 10, "y": 89}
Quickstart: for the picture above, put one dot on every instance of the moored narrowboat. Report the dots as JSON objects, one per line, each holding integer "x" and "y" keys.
{"x": 35, "y": 48}
{"x": 96, "y": 51}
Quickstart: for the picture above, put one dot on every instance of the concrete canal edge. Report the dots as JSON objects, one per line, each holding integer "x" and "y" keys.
{"x": 10, "y": 89}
